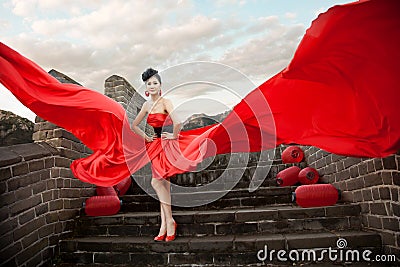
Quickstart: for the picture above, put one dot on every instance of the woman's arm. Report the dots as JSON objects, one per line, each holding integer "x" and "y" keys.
{"x": 177, "y": 124}
{"x": 137, "y": 120}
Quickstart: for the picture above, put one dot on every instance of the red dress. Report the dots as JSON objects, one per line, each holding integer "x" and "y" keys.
{"x": 170, "y": 157}
{"x": 340, "y": 93}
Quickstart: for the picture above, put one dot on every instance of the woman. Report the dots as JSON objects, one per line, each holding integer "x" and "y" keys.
{"x": 160, "y": 113}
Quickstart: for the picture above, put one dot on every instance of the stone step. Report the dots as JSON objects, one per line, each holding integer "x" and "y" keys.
{"x": 273, "y": 219}
{"x": 196, "y": 179}
{"x": 236, "y": 198}
{"x": 229, "y": 250}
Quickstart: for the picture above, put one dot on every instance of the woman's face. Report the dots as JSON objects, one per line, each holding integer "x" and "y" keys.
{"x": 153, "y": 86}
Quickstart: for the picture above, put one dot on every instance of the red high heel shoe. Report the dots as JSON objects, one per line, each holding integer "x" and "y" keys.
{"x": 169, "y": 238}
{"x": 160, "y": 237}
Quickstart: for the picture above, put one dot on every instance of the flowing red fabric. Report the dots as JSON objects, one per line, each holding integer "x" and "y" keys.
{"x": 340, "y": 93}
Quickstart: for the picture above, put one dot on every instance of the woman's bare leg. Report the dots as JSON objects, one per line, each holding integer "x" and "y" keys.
{"x": 163, "y": 190}
{"x": 163, "y": 225}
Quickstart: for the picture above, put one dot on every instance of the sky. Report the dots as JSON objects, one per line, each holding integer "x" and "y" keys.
{"x": 210, "y": 54}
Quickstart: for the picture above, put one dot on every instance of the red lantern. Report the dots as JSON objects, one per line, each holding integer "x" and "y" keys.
{"x": 102, "y": 205}
{"x": 316, "y": 195}
{"x": 288, "y": 177}
{"x": 308, "y": 175}
{"x": 105, "y": 191}
{"x": 292, "y": 154}
{"x": 123, "y": 186}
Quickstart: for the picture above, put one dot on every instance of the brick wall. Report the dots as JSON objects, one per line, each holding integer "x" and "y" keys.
{"x": 371, "y": 182}
{"x": 39, "y": 201}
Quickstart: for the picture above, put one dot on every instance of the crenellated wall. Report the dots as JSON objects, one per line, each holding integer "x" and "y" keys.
{"x": 371, "y": 182}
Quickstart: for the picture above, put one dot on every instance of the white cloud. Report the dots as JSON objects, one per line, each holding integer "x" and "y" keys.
{"x": 30, "y": 8}
{"x": 290, "y": 15}
{"x": 4, "y": 24}
{"x": 92, "y": 40}
{"x": 222, "y": 3}
{"x": 264, "y": 56}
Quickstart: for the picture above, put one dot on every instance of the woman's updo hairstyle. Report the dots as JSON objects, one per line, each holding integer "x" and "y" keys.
{"x": 149, "y": 73}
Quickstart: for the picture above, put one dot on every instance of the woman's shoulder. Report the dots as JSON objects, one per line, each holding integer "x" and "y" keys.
{"x": 166, "y": 100}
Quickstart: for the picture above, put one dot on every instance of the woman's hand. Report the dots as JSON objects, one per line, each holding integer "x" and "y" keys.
{"x": 150, "y": 138}
{"x": 168, "y": 136}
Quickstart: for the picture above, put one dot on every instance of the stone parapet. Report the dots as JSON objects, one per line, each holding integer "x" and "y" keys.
{"x": 371, "y": 182}
{"x": 39, "y": 199}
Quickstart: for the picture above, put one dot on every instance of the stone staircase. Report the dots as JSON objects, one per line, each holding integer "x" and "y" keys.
{"x": 228, "y": 232}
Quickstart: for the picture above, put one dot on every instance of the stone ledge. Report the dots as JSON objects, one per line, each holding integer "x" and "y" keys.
{"x": 24, "y": 152}
{"x": 8, "y": 157}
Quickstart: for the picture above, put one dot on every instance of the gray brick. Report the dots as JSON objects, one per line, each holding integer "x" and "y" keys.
{"x": 391, "y": 224}
{"x": 56, "y": 205}
{"x": 20, "y": 169}
{"x": 343, "y": 175}
{"x": 31, "y": 251}
{"x": 387, "y": 178}
{"x": 3, "y": 187}
{"x": 355, "y": 183}
{"x": 35, "y": 260}
{"x": 389, "y": 163}
{"x": 14, "y": 249}
{"x": 5, "y": 173}
{"x": 396, "y": 177}
{"x": 25, "y": 204}
{"x": 46, "y": 230}
{"x": 396, "y": 209}
{"x": 375, "y": 193}
{"x": 374, "y": 222}
{"x": 69, "y": 193}
{"x": 41, "y": 209}
{"x": 36, "y": 165}
{"x": 67, "y": 214}
{"x": 8, "y": 225}
{"x": 28, "y": 228}
{"x": 51, "y": 217}
{"x": 388, "y": 238}
{"x": 363, "y": 168}
{"x": 6, "y": 240}
{"x": 26, "y": 216}
{"x": 367, "y": 194}
{"x": 23, "y": 193}
{"x": 378, "y": 164}
{"x": 39, "y": 187}
{"x": 29, "y": 239}
{"x": 373, "y": 179}
{"x": 384, "y": 193}
{"x": 394, "y": 194}
{"x": 370, "y": 166}
{"x": 62, "y": 162}
{"x": 354, "y": 171}
{"x": 4, "y": 213}
{"x": 351, "y": 161}
{"x": 378, "y": 208}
